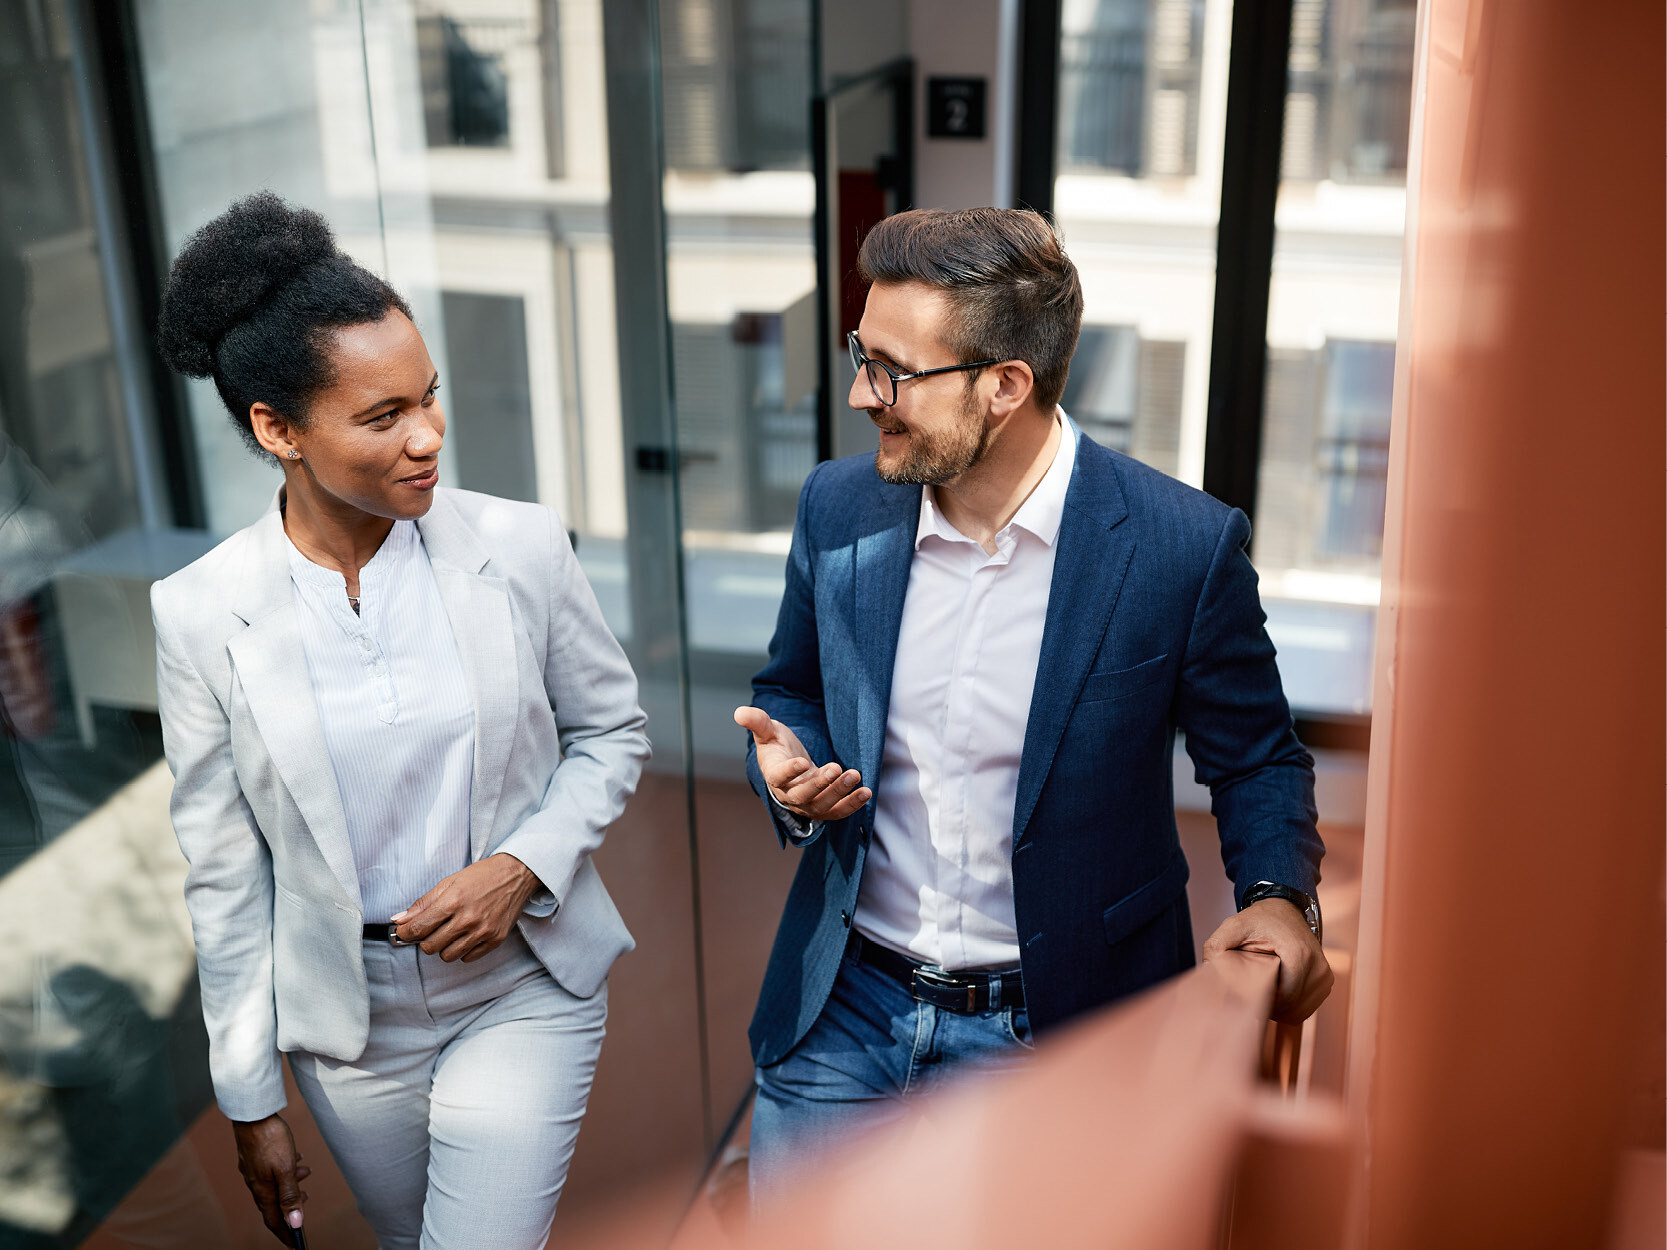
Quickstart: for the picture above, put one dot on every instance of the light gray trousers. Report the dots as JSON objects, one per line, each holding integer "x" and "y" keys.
{"x": 455, "y": 1128}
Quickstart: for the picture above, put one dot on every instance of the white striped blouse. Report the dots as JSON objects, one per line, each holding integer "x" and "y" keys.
{"x": 398, "y": 720}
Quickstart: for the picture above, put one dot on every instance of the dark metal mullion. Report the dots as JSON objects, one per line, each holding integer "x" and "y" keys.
{"x": 903, "y": 132}
{"x": 1260, "y": 52}
{"x": 1250, "y": 175}
{"x": 820, "y": 173}
{"x": 114, "y": 38}
{"x": 1038, "y": 122}
{"x": 825, "y": 279}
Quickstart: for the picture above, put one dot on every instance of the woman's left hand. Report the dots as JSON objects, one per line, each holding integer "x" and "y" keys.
{"x": 470, "y": 912}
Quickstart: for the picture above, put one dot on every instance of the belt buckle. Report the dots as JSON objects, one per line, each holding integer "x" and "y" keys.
{"x": 942, "y": 982}
{"x": 394, "y": 938}
{"x": 921, "y": 977}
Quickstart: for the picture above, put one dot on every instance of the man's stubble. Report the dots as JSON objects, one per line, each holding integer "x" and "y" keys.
{"x": 942, "y": 459}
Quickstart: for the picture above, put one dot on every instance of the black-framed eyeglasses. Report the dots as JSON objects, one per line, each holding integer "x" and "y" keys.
{"x": 883, "y": 379}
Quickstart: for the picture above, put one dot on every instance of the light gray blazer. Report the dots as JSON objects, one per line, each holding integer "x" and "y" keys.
{"x": 272, "y": 888}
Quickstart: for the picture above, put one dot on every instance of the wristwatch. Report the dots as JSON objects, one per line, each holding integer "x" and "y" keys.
{"x": 1309, "y": 907}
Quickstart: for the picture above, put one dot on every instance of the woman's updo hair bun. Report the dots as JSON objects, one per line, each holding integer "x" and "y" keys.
{"x": 228, "y": 269}
{"x": 252, "y": 301}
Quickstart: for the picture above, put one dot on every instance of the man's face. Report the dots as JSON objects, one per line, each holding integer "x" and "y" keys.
{"x": 939, "y": 426}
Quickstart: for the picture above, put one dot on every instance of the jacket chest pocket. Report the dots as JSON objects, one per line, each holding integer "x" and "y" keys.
{"x": 1120, "y": 683}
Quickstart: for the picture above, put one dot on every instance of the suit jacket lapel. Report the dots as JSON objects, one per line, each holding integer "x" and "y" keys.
{"x": 1090, "y": 562}
{"x": 883, "y": 555}
{"x": 272, "y": 668}
{"x": 477, "y": 606}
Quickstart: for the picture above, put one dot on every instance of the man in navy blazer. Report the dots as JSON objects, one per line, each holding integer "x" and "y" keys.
{"x": 990, "y": 633}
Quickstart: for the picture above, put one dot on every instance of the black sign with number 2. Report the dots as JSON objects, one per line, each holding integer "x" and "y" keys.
{"x": 955, "y": 108}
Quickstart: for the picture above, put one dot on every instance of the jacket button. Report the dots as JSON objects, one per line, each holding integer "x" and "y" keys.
{"x": 845, "y": 919}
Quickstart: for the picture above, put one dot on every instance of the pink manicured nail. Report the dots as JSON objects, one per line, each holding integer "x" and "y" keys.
{"x": 401, "y": 916}
{"x": 294, "y": 1219}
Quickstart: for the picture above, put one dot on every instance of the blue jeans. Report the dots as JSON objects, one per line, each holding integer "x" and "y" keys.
{"x": 874, "y": 1049}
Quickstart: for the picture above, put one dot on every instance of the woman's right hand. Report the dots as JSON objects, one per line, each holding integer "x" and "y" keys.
{"x": 273, "y": 1171}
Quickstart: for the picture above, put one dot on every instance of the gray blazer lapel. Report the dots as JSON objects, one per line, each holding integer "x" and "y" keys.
{"x": 883, "y": 556}
{"x": 271, "y": 666}
{"x": 1088, "y": 570}
{"x": 477, "y": 605}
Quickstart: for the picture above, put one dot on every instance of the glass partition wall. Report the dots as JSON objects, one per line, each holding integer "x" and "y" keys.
{"x": 620, "y": 337}
{"x": 604, "y": 215}
{"x": 741, "y": 288}
{"x": 100, "y": 1039}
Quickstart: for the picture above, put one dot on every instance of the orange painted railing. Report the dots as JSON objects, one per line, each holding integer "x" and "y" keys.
{"x": 1146, "y": 1125}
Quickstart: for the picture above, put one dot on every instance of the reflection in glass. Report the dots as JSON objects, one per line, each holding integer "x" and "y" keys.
{"x": 1353, "y": 459}
{"x": 1130, "y": 78}
{"x": 97, "y": 1000}
{"x": 72, "y": 667}
{"x": 1125, "y": 393}
{"x": 1348, "y": 103}
{"x": 465, "y": 91}
{"x": 490, "y": 393}
{"x": 741, "y": 284}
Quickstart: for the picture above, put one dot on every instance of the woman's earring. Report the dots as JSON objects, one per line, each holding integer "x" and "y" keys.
{"x": 293, "y": 455}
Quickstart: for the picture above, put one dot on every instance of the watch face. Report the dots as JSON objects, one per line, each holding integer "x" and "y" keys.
{"x": 1311, "y": 914}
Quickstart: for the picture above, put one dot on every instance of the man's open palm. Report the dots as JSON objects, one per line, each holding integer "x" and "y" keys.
{"x": 809, "y": 791}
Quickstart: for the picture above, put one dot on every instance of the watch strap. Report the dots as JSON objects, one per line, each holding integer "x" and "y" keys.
{"x": 1305, "y": 903}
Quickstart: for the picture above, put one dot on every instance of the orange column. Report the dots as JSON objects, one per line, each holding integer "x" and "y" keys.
{"x": 1512, "y": 926}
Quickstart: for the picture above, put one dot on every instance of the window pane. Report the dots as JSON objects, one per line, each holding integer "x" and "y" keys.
{"x": 75, "y": 662}
{"x": 460, "y": 148}
{"x": 306, "y": 135}
{"x": 1142, "y": 95}
{"x": 464, "y": 83}
{"x": 1332, "y": 316}
{"x": 741, "y": 281}
{"x": 96, "y": 985}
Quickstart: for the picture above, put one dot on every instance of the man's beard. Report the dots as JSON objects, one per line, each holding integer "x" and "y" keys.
{"x": 943, "y": 458}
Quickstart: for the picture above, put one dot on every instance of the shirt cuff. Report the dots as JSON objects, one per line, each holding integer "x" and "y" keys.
{"x": 798, "y": 828}
{"x": 540, "y": 905}
{"x": 256, "y": 1101}
{"x": 543, "y": 901}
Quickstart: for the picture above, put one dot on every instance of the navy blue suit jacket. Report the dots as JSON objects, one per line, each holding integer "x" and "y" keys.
{"x": 1153, "y": 624}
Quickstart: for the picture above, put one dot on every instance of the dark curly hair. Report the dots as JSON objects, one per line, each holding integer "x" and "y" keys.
{"x": 252, "y": 301}
{"x": 1014, "y": 292}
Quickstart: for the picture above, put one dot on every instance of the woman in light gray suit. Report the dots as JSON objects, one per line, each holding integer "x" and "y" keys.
{"x": 398, "y": 729}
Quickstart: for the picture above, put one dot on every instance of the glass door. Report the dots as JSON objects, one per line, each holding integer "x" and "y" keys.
{"x": 603, "y": 215}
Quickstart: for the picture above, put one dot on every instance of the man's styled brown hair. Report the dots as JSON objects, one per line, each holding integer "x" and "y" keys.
{"x": 1014, "y": 293}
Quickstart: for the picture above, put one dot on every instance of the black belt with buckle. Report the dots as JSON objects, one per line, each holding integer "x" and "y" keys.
{"x": 388, "y": 933}
{"x": 965, "y": 993}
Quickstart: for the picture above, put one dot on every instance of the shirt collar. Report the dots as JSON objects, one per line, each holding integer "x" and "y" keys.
{"x": 1040, "y": 514}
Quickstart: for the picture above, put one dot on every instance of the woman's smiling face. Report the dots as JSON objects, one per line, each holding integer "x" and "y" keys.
{"x": 372, "y": 437}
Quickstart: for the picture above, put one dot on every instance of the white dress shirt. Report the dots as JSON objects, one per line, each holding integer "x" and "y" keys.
{"x": 398, "y": 720}
{"x": 938, "y": 881}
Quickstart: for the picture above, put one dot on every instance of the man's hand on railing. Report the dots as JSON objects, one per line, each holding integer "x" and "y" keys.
{"x": 1274, "y": 926}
